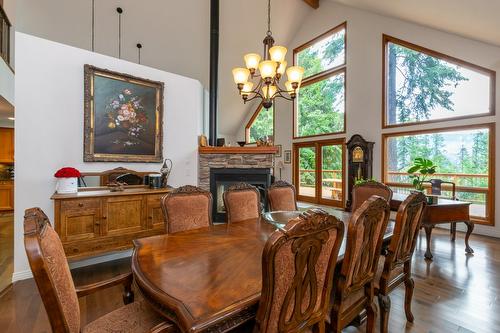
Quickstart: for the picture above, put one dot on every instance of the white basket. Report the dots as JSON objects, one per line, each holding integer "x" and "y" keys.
{"x": 67, "y": 185}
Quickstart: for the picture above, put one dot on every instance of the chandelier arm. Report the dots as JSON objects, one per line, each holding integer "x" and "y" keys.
{"x": 279, "y": 93}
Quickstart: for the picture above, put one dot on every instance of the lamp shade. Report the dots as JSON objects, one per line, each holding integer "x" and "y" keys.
{"x": 240, "y": 75}
{"x": 247, "y": 88}
{"x": 277, "y": 53}
{"x": 282, "y": 67}
{"x": 269, "y": 91}
{"x": 252, "y": 60}
{"x": 295, "y": 74}
{"x": 267, "y": 69}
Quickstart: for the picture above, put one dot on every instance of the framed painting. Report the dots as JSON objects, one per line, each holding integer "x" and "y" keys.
{"x": 123, "y": 117}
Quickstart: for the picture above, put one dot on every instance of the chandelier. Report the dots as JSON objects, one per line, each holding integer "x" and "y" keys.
{"x": 268, "y": 72}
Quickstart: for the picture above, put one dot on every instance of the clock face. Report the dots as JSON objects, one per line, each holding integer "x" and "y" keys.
{"x": 358, "y": 155}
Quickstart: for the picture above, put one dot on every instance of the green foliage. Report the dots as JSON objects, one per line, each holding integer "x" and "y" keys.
{"x": 263, "y": 125}
{"x": 420, "y": 170}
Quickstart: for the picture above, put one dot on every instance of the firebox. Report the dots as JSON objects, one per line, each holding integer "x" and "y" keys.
{"x": 221, "y": 179}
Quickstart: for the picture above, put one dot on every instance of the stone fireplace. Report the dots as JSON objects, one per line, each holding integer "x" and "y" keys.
{"x": 219, "y": 167}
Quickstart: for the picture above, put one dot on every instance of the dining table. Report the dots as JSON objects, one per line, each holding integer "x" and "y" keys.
{"x": 210, "y": 279}
{"x": 444, "y": 211}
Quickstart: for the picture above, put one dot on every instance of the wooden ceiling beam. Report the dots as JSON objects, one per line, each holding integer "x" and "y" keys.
{"x": 313, "y": 3}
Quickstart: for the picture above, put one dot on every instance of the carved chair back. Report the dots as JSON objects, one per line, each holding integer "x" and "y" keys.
{"x": 298, "y": 262}
{"x": 242, "y": 202}
{"x": 437, "y": 187}
{"x": 354, "y": 284}
{"x": 187, "y": 207}
{"x": 51, "y": 272}
{"x": 281, "y": 196}
{"x": 362, "y": 192}
{"x": 406, "y": 228}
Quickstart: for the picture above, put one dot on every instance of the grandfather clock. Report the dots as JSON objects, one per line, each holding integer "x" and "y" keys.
{"x": 360, "y": 163}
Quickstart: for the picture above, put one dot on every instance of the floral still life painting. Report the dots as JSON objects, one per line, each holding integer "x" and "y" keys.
{"x": 123, "y": 117}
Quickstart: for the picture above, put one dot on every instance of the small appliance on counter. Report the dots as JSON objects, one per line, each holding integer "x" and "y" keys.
{"x": 154, "y": 180}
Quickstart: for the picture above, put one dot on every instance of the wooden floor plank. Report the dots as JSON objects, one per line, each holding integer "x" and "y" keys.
{"x": 454, "y": 293}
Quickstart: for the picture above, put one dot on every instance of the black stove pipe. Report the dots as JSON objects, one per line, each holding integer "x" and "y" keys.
{"x": 214, "y": 72}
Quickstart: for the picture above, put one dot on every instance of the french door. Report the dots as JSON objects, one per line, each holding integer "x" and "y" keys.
{"x": 319, "y": 171}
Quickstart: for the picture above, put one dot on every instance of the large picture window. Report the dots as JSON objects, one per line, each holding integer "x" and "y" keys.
{"x": 421, "y": 85}
{"x": 462, "y": 155}
{"x": 261, "y": 125}
{"x": 320, "y": 105}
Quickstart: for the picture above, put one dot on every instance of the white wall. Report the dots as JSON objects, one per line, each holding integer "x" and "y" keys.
{"x": 364, "y": 76}
{"x": 49, "y": 124}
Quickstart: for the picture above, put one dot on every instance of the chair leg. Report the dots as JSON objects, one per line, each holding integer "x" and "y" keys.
{"x": 371, "y": 315}
{"x": 128, "y": 294}
{"x": 335, "y": 322}
{"x": 453, "y": 231}
{"x": 384, "y": 303}
{"x": 409, "y": 286}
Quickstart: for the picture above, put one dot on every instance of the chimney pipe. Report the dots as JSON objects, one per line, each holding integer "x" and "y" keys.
{"x": 214, "y": 71}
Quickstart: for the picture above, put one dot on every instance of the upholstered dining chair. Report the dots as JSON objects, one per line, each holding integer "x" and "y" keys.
{"x": 298, "y": 262}
{"x": 60, "y": 297}
{"x": 242, "y": 202}
{"x": 187, "y": 207}
{"x": 396, "y": 268}
{"x": 353, "y": 286}
{"x": 361, "y": 193}
{"x": 281, "y": 196}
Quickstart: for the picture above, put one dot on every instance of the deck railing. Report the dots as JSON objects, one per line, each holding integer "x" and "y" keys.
{"x": 4, "y": 36}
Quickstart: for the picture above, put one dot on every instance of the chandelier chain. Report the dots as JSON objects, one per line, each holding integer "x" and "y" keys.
{"x": 269, "y": 18}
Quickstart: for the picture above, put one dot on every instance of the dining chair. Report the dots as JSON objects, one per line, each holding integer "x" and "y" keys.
{"x": 353, "y": 285}
{"x": 298, "y": 262}
{"x": 361, "y": 193}
{"x": 396, "y": 267}
{"x": 187, "y": 207}
{"x": 242, "y": 202}
{"x": 281, "y": 196}
{"x": 60, "y": 296}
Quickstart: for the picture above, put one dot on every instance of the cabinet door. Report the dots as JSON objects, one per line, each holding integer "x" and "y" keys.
{"x": 154, "y": 212}
{"x": 80, "y": 219}
{"x": 124, "y": 214}
{"x": 6, "y": 145}
{"x": 6, "y": 197}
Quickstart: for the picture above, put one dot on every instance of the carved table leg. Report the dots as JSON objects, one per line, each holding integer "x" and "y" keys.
{"x": 428, "y": 232}
{"x": 453, "y": 231}
{"x": 470, "y": 227}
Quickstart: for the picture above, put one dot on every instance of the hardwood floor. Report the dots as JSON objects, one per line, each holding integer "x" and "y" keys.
{"x": 6, "y": 249}
{"x": 454, "y": 293}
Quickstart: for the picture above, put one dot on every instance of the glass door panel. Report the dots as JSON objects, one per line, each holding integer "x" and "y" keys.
{"x": 307, "y": 171}
{"x": 331, "y": 172}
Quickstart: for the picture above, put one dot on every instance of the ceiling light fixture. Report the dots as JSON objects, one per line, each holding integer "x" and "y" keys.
{"x": 269, "y": 72}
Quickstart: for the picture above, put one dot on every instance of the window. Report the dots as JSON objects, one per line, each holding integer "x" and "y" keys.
{"x": 320, "y": 104}
{"x": 422, "y": 85}
{"x": 462, "y": 155}
{"x": 260, "y": 125}
{"x": 319, "y": 171}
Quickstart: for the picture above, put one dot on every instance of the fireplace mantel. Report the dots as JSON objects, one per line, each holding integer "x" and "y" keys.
{"x": 238, "y": 150}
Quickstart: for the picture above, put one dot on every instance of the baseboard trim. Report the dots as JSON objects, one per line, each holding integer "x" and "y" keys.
{"x": 22, "y": 275}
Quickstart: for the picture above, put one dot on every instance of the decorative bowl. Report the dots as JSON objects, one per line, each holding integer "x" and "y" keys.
{"x": 241, "y": 143}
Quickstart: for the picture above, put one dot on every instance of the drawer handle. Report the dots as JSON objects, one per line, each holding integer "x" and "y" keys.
{"x": 80, "y": 204}
{"x": 150, "y": 217}
{"x": 98, "y": 223}
{"x": 104, "y": 217}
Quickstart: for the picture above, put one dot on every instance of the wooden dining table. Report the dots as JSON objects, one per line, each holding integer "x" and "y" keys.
{"x": 445, "y": 211}
{"x": 209, "y": 279}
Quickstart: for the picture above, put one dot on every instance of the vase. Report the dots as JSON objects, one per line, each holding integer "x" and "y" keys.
{"x": 67, "y": 185}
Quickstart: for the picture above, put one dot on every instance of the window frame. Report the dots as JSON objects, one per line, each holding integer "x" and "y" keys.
{"x": 252, "y": 120}
{"x": 489, "y": 220}
{"x": 320, "y": 77}
{"x": 318, "y": 144}
{"x": 386, "y": 39}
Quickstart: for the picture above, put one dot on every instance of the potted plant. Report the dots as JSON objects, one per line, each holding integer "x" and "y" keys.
{"x": 67, "y": 180}
{"x": 419, "y": 172}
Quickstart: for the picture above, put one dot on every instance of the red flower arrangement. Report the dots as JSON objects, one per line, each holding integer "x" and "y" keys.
{"x": 67, "y": 172}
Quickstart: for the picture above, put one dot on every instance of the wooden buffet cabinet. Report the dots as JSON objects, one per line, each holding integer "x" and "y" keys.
{"x": 95, "y": 221}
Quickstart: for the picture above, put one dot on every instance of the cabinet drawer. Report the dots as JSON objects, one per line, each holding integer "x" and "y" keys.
{"x": 80, "y": 204}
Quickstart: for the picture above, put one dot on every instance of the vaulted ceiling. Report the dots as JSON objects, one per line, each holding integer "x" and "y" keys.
{"x": 476, "y": 19}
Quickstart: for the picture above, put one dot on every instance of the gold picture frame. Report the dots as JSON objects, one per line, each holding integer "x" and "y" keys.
{"x": 123, "y": 117}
